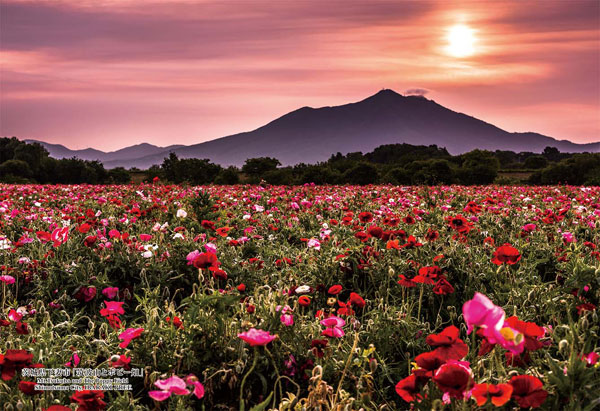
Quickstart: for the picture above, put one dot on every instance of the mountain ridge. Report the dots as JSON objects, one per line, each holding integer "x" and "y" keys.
{"x": 310, "y": 135}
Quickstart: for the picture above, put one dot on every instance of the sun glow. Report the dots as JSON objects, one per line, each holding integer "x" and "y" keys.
{"x": 461, "y": 41}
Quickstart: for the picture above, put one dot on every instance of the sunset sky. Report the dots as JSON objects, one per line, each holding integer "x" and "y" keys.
{"x": 107, "y": 74}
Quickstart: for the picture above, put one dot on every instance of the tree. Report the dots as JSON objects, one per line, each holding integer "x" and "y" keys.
{"x": 255, "y": 168}
{"x": 229, "y": 176}
{"x": 551, "y": 153}
{"x": 478, "y": 167}
{"x": 536, "y": 162}
{"x": 362, "y": 174}
{"x": 119, "y": 175}
{"x": 15, "y": 168}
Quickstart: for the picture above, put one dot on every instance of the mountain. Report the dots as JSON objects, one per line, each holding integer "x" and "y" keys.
{"x": 310, "y": 135}
{"x": 123, "y": 155}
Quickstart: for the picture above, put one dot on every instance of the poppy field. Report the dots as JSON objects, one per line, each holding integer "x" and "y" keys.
{"x": 301, "y": 298}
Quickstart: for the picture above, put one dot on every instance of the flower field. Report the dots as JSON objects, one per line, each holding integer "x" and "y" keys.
{"x": 307, "y": 297}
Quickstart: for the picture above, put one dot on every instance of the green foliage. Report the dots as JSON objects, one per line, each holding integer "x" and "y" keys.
{"x": 362, "y": 174}
{"x": 255, "y": 168}
{"x": 478, "y": 167}
{"x": 191, "y": 170}
{"x": 536, "y": 162}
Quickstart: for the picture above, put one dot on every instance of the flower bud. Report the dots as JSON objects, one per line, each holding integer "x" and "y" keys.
{"x": 373, "y": 364}
{"x": 563, "y": 345}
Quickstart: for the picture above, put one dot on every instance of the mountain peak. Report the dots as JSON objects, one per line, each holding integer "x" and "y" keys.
{"x": 309, "y": 135}
{"x": 387, "y": 92}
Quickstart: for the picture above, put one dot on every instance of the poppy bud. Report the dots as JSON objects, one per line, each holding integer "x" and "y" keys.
{"x": 563, "y": 345}
{"x": 373, "y": 364}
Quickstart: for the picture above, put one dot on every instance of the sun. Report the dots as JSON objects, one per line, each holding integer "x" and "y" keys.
{"x": 461, "y": 41}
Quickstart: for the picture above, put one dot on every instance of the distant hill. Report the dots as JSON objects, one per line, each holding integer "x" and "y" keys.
{"x": 123, "y": 155}
{"x": 310, "y": 135}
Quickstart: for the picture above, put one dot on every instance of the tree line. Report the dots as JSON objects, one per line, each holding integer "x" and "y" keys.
{"x": 401, "y": 164}
{"x": 22, "y": 162}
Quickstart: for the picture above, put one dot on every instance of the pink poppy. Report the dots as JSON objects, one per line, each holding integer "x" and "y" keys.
{"x": 256, "y": 337}
{"x": 7, "y": 279}
{"x": 128, "y": 335}
{"x": 171, "y": 385}
{"x": 110, "y": 292}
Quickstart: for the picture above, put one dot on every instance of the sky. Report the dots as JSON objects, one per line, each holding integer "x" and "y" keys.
{"x": 112, "y": 73}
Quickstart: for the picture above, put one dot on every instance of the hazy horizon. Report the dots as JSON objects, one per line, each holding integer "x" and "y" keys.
{"x": 111, "y": 74}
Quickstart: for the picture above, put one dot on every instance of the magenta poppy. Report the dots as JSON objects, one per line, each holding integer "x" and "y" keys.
{"x": 256, "y": 337}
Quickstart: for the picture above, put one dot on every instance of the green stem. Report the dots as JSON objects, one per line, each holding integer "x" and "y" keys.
{"x": 254, "y": 362}
{"x": 420, "y": 299}
{"x": 278, "y": 377}
{"x": 339, "y": 388}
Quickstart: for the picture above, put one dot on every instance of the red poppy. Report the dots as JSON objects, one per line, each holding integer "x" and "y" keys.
{"x": 428, "y": 362}
{"x": 365, "y": 217}
{"x": 21, "y": 328}
{"x": 506, "y": 254}
{"x": 345, "y": 308}
{"x": 85, "y": 294}
{"x": 209, "y": 225}
{"x": 43, "y": 236}
{"x": 356, "y": 300}
{"x": 84, "y": 228}
{"x": 528, "y": 391}
{"x": 89, "y": 400}
{"x": 406, "y": 282}
{"x": 499, "y": 394}
{"x": 335, "y": 289}
{"x": 206, "y": 260}
{"x": 460, "y": 224}
{"x": 432, "y": 235}
{"x": 241, "y": 288}
{"x": 395, "y": 244}
{"x": 408, "y": 388}
{"x": 473, "y": 207}
{"x": 317, "y": 347}
{"x": 362, "y": 236}
{"x": 409, "y": 220}
{"x": 90, "y": 240}
{"x": 176, "y": 321}
{"x": 517, "y": 360}
{"x": 449, "y": 346}
{"x": 454, "y": 378}
{"x": 531, "y": 331}
{"x": 411, "y": 243}
{"x": 443, "y": 287}
{"x": 427, "y": 275}
{"x": 304, "y": 300}
{"x": 585, "y": 307}
{"x": 223, "y": 231}
{"x": 217, "y": 273}
{"x": 28, "y": 387}
{"x": 13, "y": 361}
{"x": 375, "y": 231}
